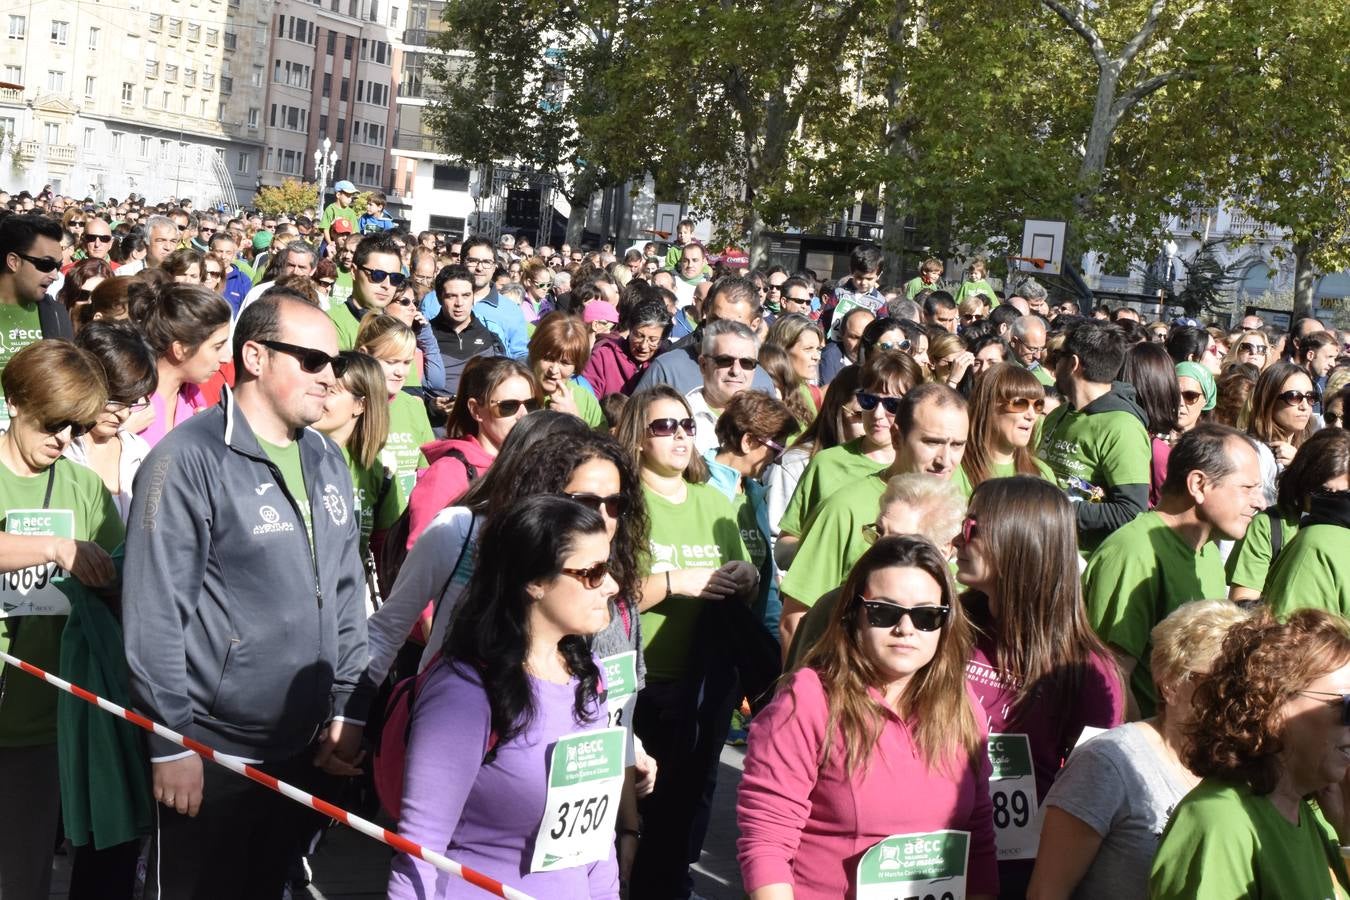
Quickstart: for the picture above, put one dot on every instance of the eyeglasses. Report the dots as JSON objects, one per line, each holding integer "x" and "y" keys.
{"x": 1294, "y": 398}
{"x": 592, "y": 577}
{"x": 884, "y": 614}
{"x": 1333, "y": 419}
{"x": 479, "y": 263}
{"x": 777, "y": 448}
{"x": 613, "y": 505}
{"x": 402, "y": 301}
{"x": 541, "y": 285}
{"x": 869, "y": 402}
{"x": 327, "y": 283}
{"x": 1022, "y": 404}
{"x": 311, "y": 360}
{"x": 1341, "y": 700}
{"x": 1190, "y": 398}
{"x": 208, "y": 230}
{"x": 377, "y": 276}
{"x": 871, "y": 533}
{"x": 1254, "y": 349}
{"x": 77, "y": 224}
{"x": 211, "y": 273}
{"x": 726, "y": 361}
{"x": 98, "y": 238}
{"x": 970, "y": 529}
{"x": 77, "y": 429}
{"x": 508, "y": 408}
{"x": 894, "y": 345}
{"x": 117, "y": 406}
{"x": 666, "y": 427}
{"x": 43, "y": 264}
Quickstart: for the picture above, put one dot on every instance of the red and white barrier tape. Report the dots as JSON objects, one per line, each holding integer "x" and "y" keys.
{"x": 366, "y": 827}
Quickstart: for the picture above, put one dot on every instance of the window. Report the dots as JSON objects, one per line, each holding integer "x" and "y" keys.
{"x": 253, "y": 117}
{"x": 93, "y": 38}
{"x": 117, "y": 143}
{"x": 226, "y": 84}
{"x": 257, "y": 76}
{"x": 342, "y": 94}
{"x": 145, "y": 98}
{"x": 194, "y": 31}
{"x": 212, "y": 37}
{"x": 347, "y": 50}
{"x": 127, "y": 89}
{"x": 323, "y": 124}
{"x": 89, "y": 139}
{"x": 145, "y": 148}
{"x": 60, "y": 33}
{"x": 151, "y": 69}
{"x": 56, "y": 81}
{"x": 51, "y": 133}
{"x": 171, "y": 73}
{"x": 156, "y": 22}
{"x": 208, "y": 81}
{"x": 14, "y": 74}
{"x": 89, "y": 87}
{"x": 165, "y": 104}
{"x": 281, "y": 26}
{"x": 332, "y": 42}
{"x": 189, "y": 77}
{"x": 449, "y": 178}
{"x": 203, "y": 110}
{"x": 341, "y": 130}
{"x": 446, "y": 224}
{"x": 175, "y": 27}
{"x": 393, "y": 17}
{"x": 328, "y": 84}
{"x": 18, "y": 28}
{"x": 241, "y": 163}
{"x": 267, "y": 166}
{"x": 230, "y": 39}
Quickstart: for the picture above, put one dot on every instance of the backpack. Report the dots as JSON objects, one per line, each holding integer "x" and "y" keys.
{"x": 395, "y": 548}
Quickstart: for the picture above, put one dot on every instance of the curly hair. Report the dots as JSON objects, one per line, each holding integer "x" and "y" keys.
{"x": 1237, "y": 732}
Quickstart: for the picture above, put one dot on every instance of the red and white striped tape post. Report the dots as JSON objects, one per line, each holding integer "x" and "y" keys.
{"x": 366, "y": 827}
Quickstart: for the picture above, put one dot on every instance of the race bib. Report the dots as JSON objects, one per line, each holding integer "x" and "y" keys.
{"x": 621, "y": 687}
{"x": 33, "y": 591}
{"x": 916, "y": 867}
{"x": 1012, "y": 788}
{"x": 585, "y": 777}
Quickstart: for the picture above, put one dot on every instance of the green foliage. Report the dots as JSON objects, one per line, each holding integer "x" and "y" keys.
{"x": 291, "y": 196}
{"x": 1207, "y": 281}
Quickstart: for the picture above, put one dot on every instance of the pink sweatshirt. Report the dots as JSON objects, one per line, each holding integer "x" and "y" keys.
{"x": 808, "y": 827}
{"x": 443, "y": 481}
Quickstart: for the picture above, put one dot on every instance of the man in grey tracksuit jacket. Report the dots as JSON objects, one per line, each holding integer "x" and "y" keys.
{"x": 239, "y": 632}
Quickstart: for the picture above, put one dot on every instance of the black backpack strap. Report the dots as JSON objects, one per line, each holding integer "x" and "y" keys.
{"x": 469, "y": 468}
{"x": 1276, "y": 532}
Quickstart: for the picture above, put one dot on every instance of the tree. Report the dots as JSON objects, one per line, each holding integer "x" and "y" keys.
{"x": 1207, "y": 282}
{"x": 291, "y": 197}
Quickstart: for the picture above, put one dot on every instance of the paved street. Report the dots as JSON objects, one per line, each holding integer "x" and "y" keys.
{"x": 351, "y": 866}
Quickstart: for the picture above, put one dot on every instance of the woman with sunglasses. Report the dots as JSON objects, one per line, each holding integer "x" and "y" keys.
{"x": 188, "y": 328}
{"x": 518, "y": 679}
{"x": 876, "y": 743}
{"x": 1005, "y": 407}
{"x": 1198, "y": 393}
{"x": 428, "y": 367}
{"x": 495, "y": 393}
{"x": 538, "y": 284}
{"x": 1272, "y": 726}
{"x": 393, "y": 346}
{"x": 559, "y": 349}
{"x": 213, "y": 276}
{"x": 952, "y": 362}
{"x": 617, "y": 361}
{"x": 1039, "y": 671}
{"x": 110, "y": 448}
{"x": 56, "y": 392}
{"x": 884, "y": 379}
{"x": 1188, "y": 343}
{"x": 696, "y": 561}
{"x": 1281, "y": 418}
{"x": 1249, "y": 348}
{"x": 185, "y": 266}
{"x": 80, "y": 281}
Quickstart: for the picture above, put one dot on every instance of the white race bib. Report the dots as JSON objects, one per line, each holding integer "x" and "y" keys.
{"x": 585, "y": 778}
{"x": 928, "y": 866}
{"x": 1012, "y": 788}
{"x": 33, "y": 591}
{"x": 621, "y": 688}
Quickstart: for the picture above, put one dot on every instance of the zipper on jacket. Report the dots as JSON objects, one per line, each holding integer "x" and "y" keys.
{"x": 309, "y": 541}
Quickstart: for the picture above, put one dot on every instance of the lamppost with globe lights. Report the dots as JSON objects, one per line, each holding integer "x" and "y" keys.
{"x": 325, "y": 161}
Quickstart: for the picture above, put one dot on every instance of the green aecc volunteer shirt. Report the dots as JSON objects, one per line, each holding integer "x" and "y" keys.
{"x": 367, "y": 483}
{"x": 1313, "y": 571}
{"x": 828, "y": 472}
{"x": 345, "y": 323}
{"x": 1135, "y": 579}
{"x": 700, "y": 533}
{"x": 409, "y": 429}
{"x": 287, "y": 460}
{"x": 1249, "y": 563}
{"x": 999, "y": 470}
{"x": 79, "y": 499}
{"x": 834, "y": 540}
{"x": 19, "y": 327}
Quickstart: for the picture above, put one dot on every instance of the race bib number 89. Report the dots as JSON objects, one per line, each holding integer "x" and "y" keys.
{"x": 916, "y": 867}
{"x": 585, "y": 777}
{"x": 1012, "y": 789}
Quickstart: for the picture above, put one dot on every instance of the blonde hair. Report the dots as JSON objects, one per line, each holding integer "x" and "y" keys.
{"x": 383, "y": 336}
{"x": 938, "y": 499}
{"x": 1189, "y": 640}
{"x": 364, "y": 379}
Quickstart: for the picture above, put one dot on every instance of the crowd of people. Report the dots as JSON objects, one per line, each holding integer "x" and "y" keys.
{"x": 1006, "y": 596}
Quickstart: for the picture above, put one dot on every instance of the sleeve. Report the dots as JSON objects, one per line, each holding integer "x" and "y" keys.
{"x": 1304, "y": 578}
{"x": 1123, "y": 459}
{"x": 781, "y": 770}
{"x": 1249, "y": 563}
{"x": 440, "y": 485}
{"x": 982, "y": 871}
{"x": 433, "y": 366}
{"x": 168, "y": 542}
{"x": 351, "y": 694}
{"x": 449, "y": 711}
{"x": 1120, "y": 594}
{"x": 1204, "y": 857}
{"x": 655, "y": 374}
{"x": 822, "y": 560}
{"x": 105, "y": 525}
{"x": 423, "y": 573}
{"x": 1101, "y": 700}
{"x": 517, "y": 339}
{"x": 1089, "y": 787}
{"x": 793, "y": 519}
{"x": 594, "y": 372}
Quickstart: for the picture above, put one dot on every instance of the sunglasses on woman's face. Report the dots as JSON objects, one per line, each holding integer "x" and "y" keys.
{"x": 1022, "y": 404}
{"x": 1294, "y": 398}
{"x": 212, "y": 273}
{"x": 884, "y": 614}
{"x": 970, "y": 529}
{"x": 1190, "y": 398}
{"x": 1253, "y": 349}
{"x": 592, "y": 578}
{"x": 508, "y": 408}
{"x": 666, "y": 427}
{"x": 77, "y": 429}
{"x": 613, "y": 505}
{"x": 869, "y": 402}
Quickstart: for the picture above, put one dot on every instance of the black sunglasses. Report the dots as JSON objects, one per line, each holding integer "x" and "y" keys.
{"x": 884, "y": 614}
{"x": 666, "y": 427}
{"x": 726, "y": 361}
{"x": 98, "y": 238}
{"x": 869, "y": 402}
{"x": 613, "y": 505}
{"x": 1343, "y": 700}
{"x": 592, "y": 577}
{"x": 508, "y": 408}
{"x": 43, "y": 264}
{"x": 77, "y": 429}
{"x": 1255, "y": 349}
{"x": 377, "y": 276}
{"x": 311, "y": 360}
{"x": 1294, "y": 398}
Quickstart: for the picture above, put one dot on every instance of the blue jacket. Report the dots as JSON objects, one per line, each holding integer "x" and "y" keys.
{"x": 237, "y": 286}
{"x": 368, "y": 224}
{"x": 768, "y": 604}
{"x": 505, "y": 319}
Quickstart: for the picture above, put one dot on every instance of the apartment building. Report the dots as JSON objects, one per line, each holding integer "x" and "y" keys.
{"x": 157, "y": 97}
{"x": 331, "y": 74}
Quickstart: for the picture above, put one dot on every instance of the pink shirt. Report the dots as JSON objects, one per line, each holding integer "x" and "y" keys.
{"x": 190, "y": 402}
{"x": 808, "y": 827}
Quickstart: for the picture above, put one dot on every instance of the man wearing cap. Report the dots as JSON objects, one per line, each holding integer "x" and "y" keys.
{"x": 344, "y": 192}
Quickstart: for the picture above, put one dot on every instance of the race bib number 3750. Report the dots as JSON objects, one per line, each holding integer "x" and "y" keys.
{"x": 585, "y": 777}
{"x": 928, "y": 866}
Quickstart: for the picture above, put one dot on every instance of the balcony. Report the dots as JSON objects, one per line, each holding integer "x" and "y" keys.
{"x": 151, "y": 69}
{"x": 417, "y": 142}
{"x": 60, "y": 154}
{"x": 11, "y": 95}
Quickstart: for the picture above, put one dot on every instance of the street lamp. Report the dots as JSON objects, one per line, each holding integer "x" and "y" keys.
{"x": 325, "y": 161}
{"x": 1170, "y": 246}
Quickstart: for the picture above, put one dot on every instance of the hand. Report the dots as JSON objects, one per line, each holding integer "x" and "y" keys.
{"x": 340, "y": 750}
{"x": 562, "y": 400}
{"x": 964, "y": 360}
{"x": 739, "y": 577}
{"x": 644, "y": 767}
{"x": 178, "y": 784}
{"x": 443, "y": 404}
{"x": 627, "y": 852}
{"x": 1283, "y": 451}
{"x": 89, "y": 563}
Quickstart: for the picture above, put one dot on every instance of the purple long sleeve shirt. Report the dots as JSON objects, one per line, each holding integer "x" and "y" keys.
{"x": 485, "y": 816}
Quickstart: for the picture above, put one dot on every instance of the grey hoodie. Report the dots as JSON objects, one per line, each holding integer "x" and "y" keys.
{"x": 235, "y": 634}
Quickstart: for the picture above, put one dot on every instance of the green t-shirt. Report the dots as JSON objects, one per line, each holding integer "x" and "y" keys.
{"x": 409, "y": 429}
{"x": 1313, "y": 571}
{"x": 915, "y": 285}
{"x": 1104, "y": 449}
{"x": 1000, "y": 470}
{"x": 1135, "y": 579}
{"x": 971, "y": 288}
{"x": 700, "y": 533}
{"x": 833, "y": 540}
{"x": 1249, "y": 563}
{"x": 1224, "y": 842}
{"x": 81, "y": 508}
{"x": 332, "y": 211}
{"x": 828, "y": 472}
{"x": 367, "y": 483}
{"x": 1042, "y": 374}
{"x": 342, "y": 288}
{"x": 19, "y": 327}
{"x": 346, "y": 325}
{"x": 287, "y": 459}
{"x": 588, "y": 408}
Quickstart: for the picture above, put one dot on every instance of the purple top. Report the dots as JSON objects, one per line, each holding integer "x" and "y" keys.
{"x": 485, "y": 816}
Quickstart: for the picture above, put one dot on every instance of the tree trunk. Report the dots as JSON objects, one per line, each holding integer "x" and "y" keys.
{"x": 759, "y": 240}
{"x": 1305, "y": 279}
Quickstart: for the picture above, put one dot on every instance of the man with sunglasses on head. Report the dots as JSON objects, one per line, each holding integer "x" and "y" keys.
{"x": 244, "y": 605}
{"x": 503, "y": 317}
{"x": 377, "y": 277}
{"x": 728, "y": 359}
{"x": 30, "y": 261}
{"x": 929, "y": 433}
{"x": 1169, "y": 556}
